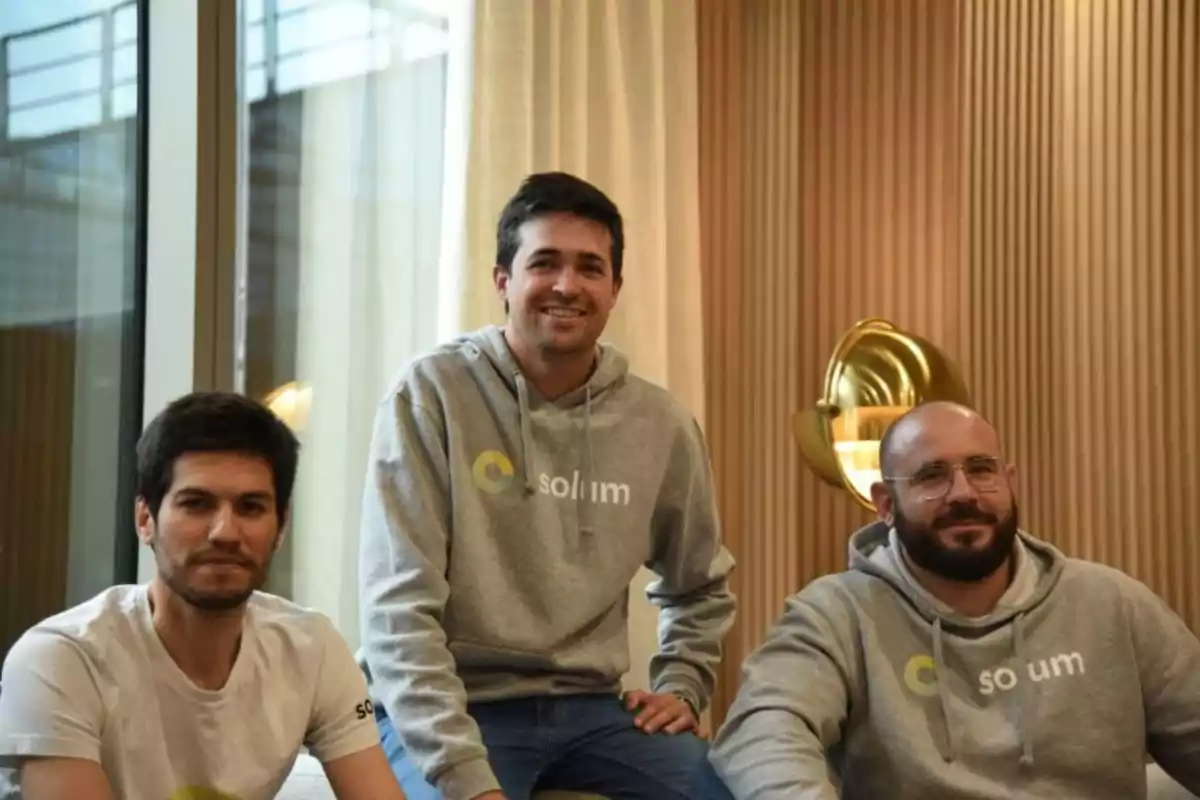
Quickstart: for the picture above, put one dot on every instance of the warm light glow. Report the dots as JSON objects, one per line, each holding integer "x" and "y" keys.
{"x": 860, "y": 463}
{"x": 291, "y": 402}
{"x": 856, "y": 436}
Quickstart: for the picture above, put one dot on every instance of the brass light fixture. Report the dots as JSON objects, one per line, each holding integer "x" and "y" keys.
{"x": 876, "y": 374}
{"x": 291, "y": 403}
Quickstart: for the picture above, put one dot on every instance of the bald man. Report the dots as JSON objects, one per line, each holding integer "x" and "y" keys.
{"x": 961, "y": 657}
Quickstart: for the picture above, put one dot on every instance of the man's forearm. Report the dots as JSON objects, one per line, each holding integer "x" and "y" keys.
{"x": 413, "y": 674}
{"x": 403, "y": 552}
{"x": 56, "y": 778}
{"x": 426, "y": 703}
{"x": 691, "y": 635}
{"x": 768, "y": 756}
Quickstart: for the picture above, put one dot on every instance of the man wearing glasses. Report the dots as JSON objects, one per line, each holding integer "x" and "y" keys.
{"x": 960, "y": 656}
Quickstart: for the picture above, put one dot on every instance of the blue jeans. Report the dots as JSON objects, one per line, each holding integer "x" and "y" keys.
{"x": 581, "y": 743}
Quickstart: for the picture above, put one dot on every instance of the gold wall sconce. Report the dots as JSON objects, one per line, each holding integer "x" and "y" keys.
{"x": 876, "y": 374}
{"x": 291, "y": 402}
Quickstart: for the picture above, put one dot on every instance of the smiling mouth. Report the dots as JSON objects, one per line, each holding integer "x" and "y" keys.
{"x": 563, "y": 313}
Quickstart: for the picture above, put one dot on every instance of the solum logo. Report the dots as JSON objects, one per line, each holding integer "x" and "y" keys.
{"x": 492, "y": 471}
{"x": 920, "y": 674}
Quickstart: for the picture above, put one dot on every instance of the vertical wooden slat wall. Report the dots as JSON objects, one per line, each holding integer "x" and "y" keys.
{"x": 1117, "y": 472}
{"x": 1010, "y": 347}
{"x": 830, "y": 181}
{"x": 719, "y": 45}
{"x": 1017, "y": 182}
{"x": 35, "y": 474}
{"x": 1082, "y": 149}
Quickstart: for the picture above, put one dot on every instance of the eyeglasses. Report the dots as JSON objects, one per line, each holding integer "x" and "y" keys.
{"x": 933, "y": 481}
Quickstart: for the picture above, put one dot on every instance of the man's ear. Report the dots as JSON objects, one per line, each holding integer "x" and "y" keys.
{"x": 885, "y": 504}
{"x": 500, "y": 279}
{"x": 143, "y": 520}
{"x": 1013, "y": 474}
{"x": 285, "y": 526}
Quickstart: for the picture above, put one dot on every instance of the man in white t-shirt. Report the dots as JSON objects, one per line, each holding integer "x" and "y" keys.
{"x": 195, "y": 686}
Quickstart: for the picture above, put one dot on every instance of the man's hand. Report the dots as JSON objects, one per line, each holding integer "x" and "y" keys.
{"x": 661, "y": 712}
{"x": 490, "y": 796}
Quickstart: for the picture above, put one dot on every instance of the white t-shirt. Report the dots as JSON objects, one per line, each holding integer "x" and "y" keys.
{"x": 96, "y": 682}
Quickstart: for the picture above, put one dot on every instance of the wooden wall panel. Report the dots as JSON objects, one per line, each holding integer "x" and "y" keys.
{"x": 1012, "y": 298}
{"x": 719, "y": 43}
{"x": 830, "y": 176}
{"x": 1124, "y": 466}
{"x": 1081, "y": 129}
{"x": 36, "y": 395}
{"x": 1015, "y": 181}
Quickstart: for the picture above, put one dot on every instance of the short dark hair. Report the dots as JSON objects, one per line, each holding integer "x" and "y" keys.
{"x": 215, "y": 422}
{"x": 557, "y": 193}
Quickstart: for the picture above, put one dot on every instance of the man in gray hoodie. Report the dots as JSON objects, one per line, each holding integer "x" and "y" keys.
{"x": 961, "y": 657}
{"x": 519, "y": 477}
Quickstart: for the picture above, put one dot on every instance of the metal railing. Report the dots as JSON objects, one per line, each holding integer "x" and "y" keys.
{"x": 95, "y": 60}
{"x": 101, "y": 51}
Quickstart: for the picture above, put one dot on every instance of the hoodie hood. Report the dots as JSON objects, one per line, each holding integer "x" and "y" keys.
{"x": 1038, "y": 564}
{"x": 610, "y": 371}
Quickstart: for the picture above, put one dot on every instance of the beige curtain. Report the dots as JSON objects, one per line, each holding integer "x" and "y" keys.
{"x": 604, "y": 89}
{"x": 377, "y": 158}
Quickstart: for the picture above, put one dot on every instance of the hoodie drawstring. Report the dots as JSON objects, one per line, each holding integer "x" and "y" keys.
{"x": 583, "y": 502}
{"x": 939, "y": 673}
{"x": 583, "y": 498}
{"x": 526, "y": 433}
{"x": 1024, "y": 734}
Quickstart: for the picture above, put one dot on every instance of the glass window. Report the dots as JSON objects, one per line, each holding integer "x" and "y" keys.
{"x": 343, "y": 118}
{"x": 70, "y": 318}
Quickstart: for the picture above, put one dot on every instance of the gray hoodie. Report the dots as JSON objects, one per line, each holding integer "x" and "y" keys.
{"x": 865, "y": 688}
{"x": 500, "y": 535}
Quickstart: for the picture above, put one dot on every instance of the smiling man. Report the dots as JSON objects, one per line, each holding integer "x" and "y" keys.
{"x": 961, "y": 657}
{"x": 196, "y": 685}
{"x": 519, "y": 478}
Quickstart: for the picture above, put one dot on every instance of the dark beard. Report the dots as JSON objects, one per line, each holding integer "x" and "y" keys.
{"x": 206, "y": 601}
{"x": 922, "y": 545}
{"x": 175, "y": 576}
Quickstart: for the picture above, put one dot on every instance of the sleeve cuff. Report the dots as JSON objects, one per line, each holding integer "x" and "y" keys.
{"x": 15, "y": 747}
{"x": 363, "y": 737}
{"x": 467, "y": 780}
{"x": 684, "y": 687}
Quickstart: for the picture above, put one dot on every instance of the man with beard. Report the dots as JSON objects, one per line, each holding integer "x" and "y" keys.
{"x": 519, "y": 478}
{"x": 961, "y": 657}
{"x": 195, "y": 686}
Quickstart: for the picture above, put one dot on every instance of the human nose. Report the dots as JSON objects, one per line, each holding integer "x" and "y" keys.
{"x": 224, "y": 527}
{"x": 566, "y": 283}
{"x": 960, "y": 487}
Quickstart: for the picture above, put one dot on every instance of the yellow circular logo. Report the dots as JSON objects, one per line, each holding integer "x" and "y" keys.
{"x": 492, "y": 472}
{"x": 920, "y": 676}
{"x": 201, "y": 793}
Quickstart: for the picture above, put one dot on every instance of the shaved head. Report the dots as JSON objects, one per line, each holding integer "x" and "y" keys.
{"x": 914, "y": 423}
{"x": 947, "y": 491}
